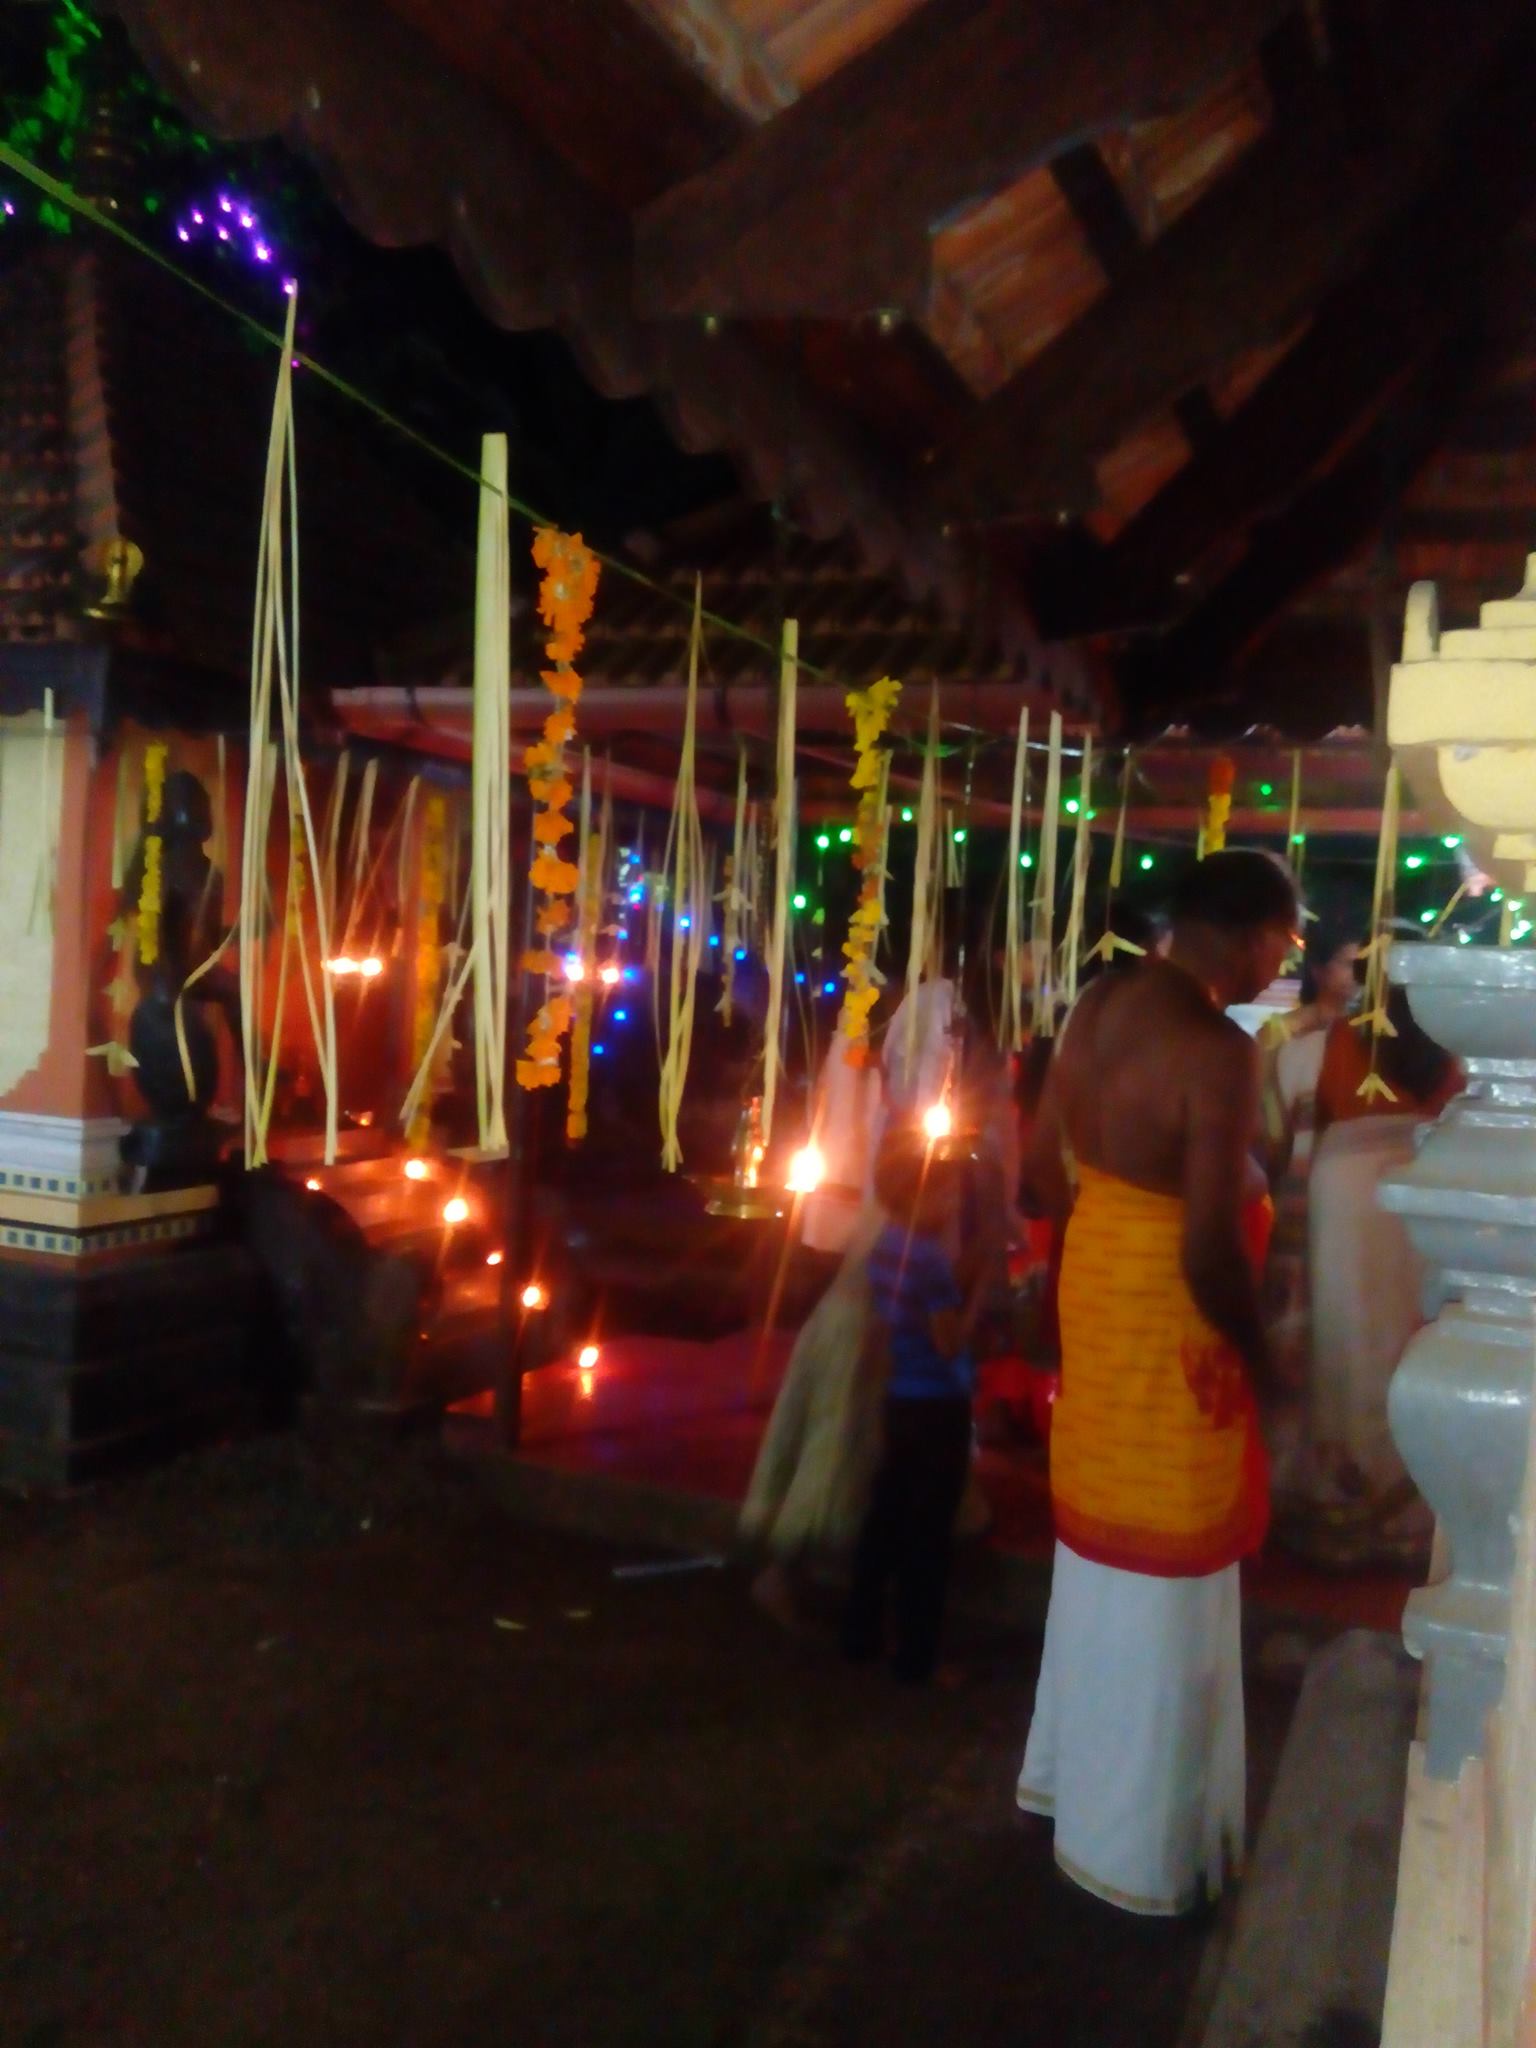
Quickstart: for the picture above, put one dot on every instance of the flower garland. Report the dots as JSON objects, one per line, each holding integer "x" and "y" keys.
{"x": 152, "y": 886}
{"x": 871, "y": 710}
{"x": 566, "y": 597}
{"x": 432, "y": 890}
{"x": 1219, "y": 802}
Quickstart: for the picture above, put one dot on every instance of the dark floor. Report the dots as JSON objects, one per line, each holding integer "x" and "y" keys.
{"x": 315, "y": 1747}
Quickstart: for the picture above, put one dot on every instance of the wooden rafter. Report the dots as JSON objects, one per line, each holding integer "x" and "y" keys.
{"x": 828, "y": 209}
{"x": 1321, "y": 528}
{"x": 1245, "y": 265}
{"x": 1365, "y": 339}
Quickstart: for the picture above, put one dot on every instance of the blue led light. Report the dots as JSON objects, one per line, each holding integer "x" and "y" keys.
{"x": 631, "y": 974}
{"x": 829, "y": 988}
{"x": 637, "y": 895}
{"x": 623, "y": 931}
{"x": 714, "y": 938}
{"x": 621, "y": 1016}
{"x": 599, "y": 1050}
{"x": 741, "y": 952}
{"x": 685, "y": 924}
{"x": 799, "y": 977}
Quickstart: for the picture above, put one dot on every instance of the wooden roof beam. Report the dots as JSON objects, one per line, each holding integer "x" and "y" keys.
{"x": 1369, "y": 334}
{"x": 1318, "y": 531}
{"x": 827, "y": 210}
{"x": 1239, "y": 270}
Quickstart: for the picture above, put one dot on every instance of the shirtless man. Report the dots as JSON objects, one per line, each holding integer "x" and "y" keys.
{"x": 1157, "y": 1479}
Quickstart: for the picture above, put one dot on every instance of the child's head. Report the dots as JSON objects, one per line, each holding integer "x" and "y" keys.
{"x": 916, "y": 1184}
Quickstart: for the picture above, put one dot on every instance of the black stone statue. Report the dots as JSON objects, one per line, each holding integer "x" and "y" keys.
{"x": 177, "y": 1143}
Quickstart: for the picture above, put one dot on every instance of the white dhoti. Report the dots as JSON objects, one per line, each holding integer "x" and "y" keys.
{"x": 1136, "y": 1747}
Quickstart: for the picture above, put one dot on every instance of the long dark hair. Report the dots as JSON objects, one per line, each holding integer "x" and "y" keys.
{"x": 1325, "y": 940}
{"x": 1412, "y": 1063}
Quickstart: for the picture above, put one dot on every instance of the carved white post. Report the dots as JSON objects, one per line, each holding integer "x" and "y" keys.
{"x": 1462, "y": 720}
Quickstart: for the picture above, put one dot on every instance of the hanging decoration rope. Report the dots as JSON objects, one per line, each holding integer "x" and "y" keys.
{"x": 783, "y": 870}
{"x": 1042, "y": 934}
{"x": 691, "y": 889}
{"x": 1373, "y": 1014}
{"x": 871, "y": 710}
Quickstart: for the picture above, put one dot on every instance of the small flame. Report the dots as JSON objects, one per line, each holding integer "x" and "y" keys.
{"x": 416, "y": 1169}
{"x": 493, "y": 1258}
{"x": 609, "y": 977}
{"x": 938, "y": 1122}
{"x": 313, "y": 1186}
{"x": 807, "y": 1171}
{"x": 587, "y": 1357}
{"x": 455, "y": 1211}
{"x": 535, "y": 1296}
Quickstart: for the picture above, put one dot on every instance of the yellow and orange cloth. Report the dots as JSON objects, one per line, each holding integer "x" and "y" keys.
{"x": 1157, "y": 1465}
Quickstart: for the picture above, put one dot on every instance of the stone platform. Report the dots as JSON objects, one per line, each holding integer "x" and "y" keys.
{"x": 125, "y": 1329}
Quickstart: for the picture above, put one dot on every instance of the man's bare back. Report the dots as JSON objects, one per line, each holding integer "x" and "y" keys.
{"x": 1153, "y": 1084}
{"x": 1141, "y": 1059}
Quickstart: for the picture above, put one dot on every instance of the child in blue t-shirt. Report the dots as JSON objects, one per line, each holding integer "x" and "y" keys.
{"x": 919, "y": 1310}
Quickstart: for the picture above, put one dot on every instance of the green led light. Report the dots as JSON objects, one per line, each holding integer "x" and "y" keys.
{"x": 1073, "y": 806}
{"x": 1026, "y": 860}
{"x": 845, "y": 837}
{"x": 1093, "y": 814}
{"x": 1147, "y": 863}
{"x": 822, "y": 841}
{"x": 1451, "y": 841}
{"x": 959, "y": 835}
{"x": 906, "y": 814}
{"x": 798, "y": 902}
{"x": 1497, "y": 896}
{"x": 1426, "y": 917}
{"x": 1414, "y": 860}
{"x": 1266, "y": 789}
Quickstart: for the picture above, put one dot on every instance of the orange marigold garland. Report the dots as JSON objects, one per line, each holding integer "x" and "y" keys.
{"x": 1223, "y": 775}
{"x": 872, "y": 710}
{"x": 566, "y": 598}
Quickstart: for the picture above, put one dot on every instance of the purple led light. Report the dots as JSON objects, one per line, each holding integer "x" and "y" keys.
{"x": 182, "y": 235}
{"x": 290, "y": 285}
{"x": 223, "y": 234}
{"x": 262, "y": 253}
{"x": 224, "y": 205}
{"x": 197, "y": 217}
{"x": 10, "y": 208}
{"x": 247, "y": 220}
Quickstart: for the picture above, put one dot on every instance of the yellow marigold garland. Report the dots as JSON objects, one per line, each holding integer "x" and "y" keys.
{"x": 152, "y": 886}
{"x": 871, "y": 710}
{"x": 566, "y": 598}
{"x": 432, "y": 892}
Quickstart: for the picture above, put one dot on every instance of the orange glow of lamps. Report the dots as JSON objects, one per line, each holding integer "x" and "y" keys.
{"x": 416, "y": 1169}
{"x": 807, "y": 1171}
{"x": 456, "y": 1211}
{"x": 587, "y": 1357}
{"x": 938, "y": 1122}
{"x": 609, "y": 976}
{"x": 534, "y": 1296}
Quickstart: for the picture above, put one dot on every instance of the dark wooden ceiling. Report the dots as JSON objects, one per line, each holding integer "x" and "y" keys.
{"x": 1166, "y": 342}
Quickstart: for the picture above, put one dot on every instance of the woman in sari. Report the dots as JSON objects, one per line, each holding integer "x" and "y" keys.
{"x": 1351, "y": 1500}
{"x": 815, "y": 1466}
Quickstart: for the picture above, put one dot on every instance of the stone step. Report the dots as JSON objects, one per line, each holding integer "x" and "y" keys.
{"x": 1307, "y": 1962}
